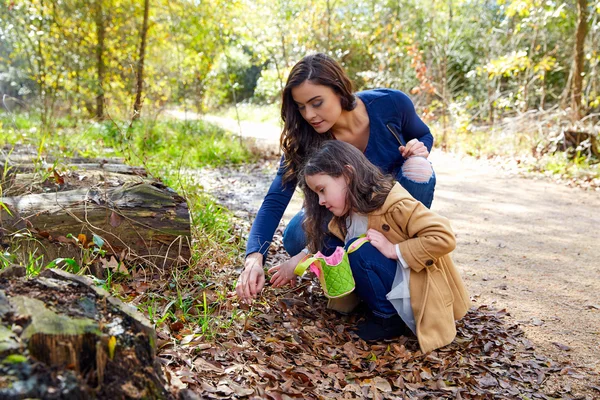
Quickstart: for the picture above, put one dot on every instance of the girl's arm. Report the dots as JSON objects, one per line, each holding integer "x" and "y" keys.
{"x": 430, "y": 234}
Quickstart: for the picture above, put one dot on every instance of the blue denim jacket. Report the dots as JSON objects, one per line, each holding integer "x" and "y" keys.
{"x": 389, "y": 110}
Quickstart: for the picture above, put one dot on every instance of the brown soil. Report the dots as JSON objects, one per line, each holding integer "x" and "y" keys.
{"x": 529, "y": 246}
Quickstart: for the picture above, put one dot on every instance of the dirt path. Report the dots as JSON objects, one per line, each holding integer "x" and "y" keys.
{"x": 531, "y": 247}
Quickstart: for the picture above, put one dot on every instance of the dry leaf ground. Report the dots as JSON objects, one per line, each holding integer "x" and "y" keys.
{"x": 524, "y": 246}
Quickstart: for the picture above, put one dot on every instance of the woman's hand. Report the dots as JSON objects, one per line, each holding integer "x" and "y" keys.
{"x": 252, "y": 278}
{"x": 284, "y": 273}
{"x": 380, "y": 242}
{"x": 414, "y": 148}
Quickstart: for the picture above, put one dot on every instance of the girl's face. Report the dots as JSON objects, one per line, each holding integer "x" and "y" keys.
{"x": 331, "y": 191}
{"x": 319, "y": 105}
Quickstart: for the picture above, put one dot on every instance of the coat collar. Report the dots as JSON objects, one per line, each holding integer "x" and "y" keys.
{"x": 398, "y": 193}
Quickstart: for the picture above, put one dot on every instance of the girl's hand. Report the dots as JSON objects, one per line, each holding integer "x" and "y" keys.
{"x": 284, "y": 273}
{"x": 414, "y": 148}
{"x": 381, "y": 243}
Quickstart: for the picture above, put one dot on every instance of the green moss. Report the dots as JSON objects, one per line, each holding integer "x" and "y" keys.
{"x": 14, "y": 359}
{"x": 48, "y": 322}
{"x": 7, "y": 341}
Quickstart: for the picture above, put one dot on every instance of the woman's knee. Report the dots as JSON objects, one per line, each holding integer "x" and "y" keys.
{"x": 294, "y": 238}
{"x": 417, "y": 169}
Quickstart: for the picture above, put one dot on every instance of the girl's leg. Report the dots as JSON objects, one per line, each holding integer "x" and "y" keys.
{"x": 418, "y": 178}
{"x": 374, "y": 274}
{"x": 294, "y": 238}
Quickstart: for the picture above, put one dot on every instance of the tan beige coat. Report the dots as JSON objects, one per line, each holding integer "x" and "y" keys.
{"x": 437, "y": 294}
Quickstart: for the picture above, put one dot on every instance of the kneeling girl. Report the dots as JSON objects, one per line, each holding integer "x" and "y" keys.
{"x": 404, "y": 274}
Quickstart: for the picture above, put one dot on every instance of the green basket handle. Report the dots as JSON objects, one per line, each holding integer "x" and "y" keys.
{"x": 362, "y": 239}
{"x": 303, "y": 266}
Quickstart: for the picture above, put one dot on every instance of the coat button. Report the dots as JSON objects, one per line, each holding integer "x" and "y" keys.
{"x": 385, "y": 227}
{"x": 429, "y": 263}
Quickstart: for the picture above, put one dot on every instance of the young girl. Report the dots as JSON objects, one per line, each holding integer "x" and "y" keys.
{"x": 405, "y": 274}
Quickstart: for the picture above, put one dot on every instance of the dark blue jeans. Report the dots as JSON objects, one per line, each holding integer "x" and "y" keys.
{"x": 374, "y": 274}
{"x": 294, "y": 239}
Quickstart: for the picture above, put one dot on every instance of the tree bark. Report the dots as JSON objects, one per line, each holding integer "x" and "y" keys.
{"x": 137, "y": 106}
{"x": 578, "y": 57}
{"x": 100, "y": 67}
{"x": 148, "y": 223}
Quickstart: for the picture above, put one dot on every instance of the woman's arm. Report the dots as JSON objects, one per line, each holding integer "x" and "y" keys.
{"x": 269, "y": 215}
{"x": 252, "y": 278}
{"x": 412, "y": 126}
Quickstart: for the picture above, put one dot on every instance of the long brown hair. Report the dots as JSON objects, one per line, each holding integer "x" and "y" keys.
{"x": 298, "y": 138}
{"x": 367, "y": 190}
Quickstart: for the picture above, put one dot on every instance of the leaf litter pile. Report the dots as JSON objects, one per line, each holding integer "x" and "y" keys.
{"x": 287, "y": 344}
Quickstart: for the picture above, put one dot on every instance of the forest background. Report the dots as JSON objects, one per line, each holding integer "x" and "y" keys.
{"x": 515, "y": 81}
{"x": 492, "y": 77}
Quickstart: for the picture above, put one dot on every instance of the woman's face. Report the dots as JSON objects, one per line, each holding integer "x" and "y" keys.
{"x": 319, "y": 105}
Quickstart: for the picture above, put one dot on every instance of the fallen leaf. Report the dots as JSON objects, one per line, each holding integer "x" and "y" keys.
{"x": 58, "y": 177}
{"x": 115, "y": 219}
{"x": 187, "y": 339}
{"x": 176, "y": 382}
{"x": 239, "y": 390}
{"x": 176, "y": 326}
{"x": 487, "y": 381}
{"x": 112, "y": 344}
{"x": 204, "y": 365}
{"x": 561, "y": 346}
{"x": 382, "y": 384}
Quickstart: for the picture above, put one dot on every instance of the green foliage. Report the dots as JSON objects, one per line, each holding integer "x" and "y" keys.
{"x": 14, "y": 359}
{"x": 268, "y": 86}
{"x": 514, "y": 54}
{"x": 69, "y": 265}
{"x": 232, "y": 79}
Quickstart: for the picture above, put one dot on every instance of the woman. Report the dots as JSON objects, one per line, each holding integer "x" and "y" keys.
{"x": 318, "y": 105}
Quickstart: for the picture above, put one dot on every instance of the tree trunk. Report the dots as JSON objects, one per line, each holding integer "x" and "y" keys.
{"x": 137, "y": 106}
{"x": 80, "y": 341}
{"x": 143, "y": 222}
{"x": 136, "y": 217}
{"x": 490, "y": 91}
{"x": 100, "y": 67}
{"x": 528, "y": 72}
{"x": 578, "y": 56}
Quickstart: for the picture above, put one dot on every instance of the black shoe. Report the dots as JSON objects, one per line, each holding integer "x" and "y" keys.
{"x": 377, "y": 328}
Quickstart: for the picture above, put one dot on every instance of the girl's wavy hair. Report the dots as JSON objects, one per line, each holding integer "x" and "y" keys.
{"x": 299, "y": 137}
{"x": 367, "y": 190}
